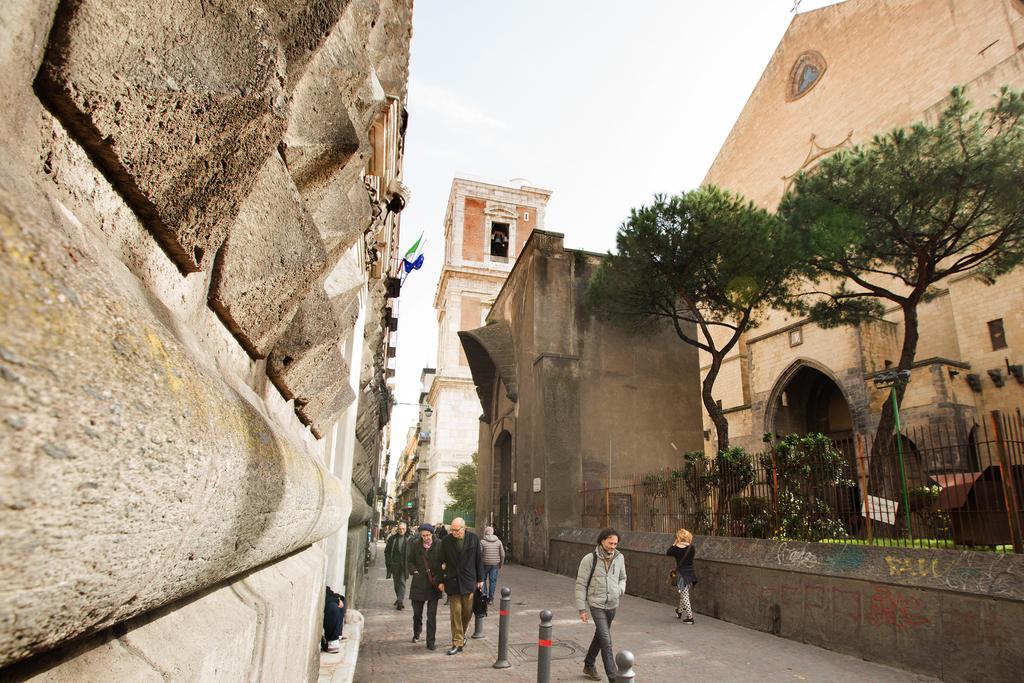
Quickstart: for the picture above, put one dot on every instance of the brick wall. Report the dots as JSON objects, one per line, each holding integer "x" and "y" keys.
{"x": 473, "y": 230}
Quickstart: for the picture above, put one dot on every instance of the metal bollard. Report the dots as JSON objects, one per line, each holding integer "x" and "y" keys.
{"x": 503, "y": 625}
{"x": 624, "y": 663}
{"x": 544, "y": 648}
{"x": 478, "y": 627}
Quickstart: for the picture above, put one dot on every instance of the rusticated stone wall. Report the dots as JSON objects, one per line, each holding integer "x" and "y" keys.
{"x": 950, "y": 614}
{"x": 188, "y": 234}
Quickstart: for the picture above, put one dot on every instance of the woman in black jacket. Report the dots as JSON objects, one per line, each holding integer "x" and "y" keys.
{"x": 683, "y": 551}
{"x": 425, "y": 573}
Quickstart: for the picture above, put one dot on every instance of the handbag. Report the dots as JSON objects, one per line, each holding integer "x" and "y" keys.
{"x": 673, "y": 578}
{"x": 479, "y": 604}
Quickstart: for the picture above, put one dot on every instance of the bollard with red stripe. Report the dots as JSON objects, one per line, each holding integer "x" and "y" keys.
{"x": 544, "y": 648}
{"x": 503, "y": 626}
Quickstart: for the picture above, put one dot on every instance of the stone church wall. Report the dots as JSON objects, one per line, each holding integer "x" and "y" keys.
{"x": 185, "y": 230}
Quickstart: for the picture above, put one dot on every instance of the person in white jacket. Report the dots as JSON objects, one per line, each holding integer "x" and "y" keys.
{"x": 600, "y": 580}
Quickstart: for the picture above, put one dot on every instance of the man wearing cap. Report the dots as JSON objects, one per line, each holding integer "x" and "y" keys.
{"x": 424, "y": 573}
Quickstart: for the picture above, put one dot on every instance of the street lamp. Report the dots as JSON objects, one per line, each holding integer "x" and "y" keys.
{"x": 891, "y": 379}
{"x": 426, "y": 409}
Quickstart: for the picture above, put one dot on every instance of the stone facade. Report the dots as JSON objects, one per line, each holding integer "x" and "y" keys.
{"x": 198, "y": 221}
{"x": 476, "y": 263}
{"x": 568, "y": 401}
{"x": 871, "y": 80}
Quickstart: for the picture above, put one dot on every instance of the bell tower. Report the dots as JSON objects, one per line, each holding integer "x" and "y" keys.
{"x": 485, "y": 228}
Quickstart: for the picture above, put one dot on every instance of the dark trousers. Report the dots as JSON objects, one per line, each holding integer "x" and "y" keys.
{"x": 334, "y": 620}
{"x": 602, "y": 641}
{"x": 417, "y": 619}
{"x": 399, "y": 580}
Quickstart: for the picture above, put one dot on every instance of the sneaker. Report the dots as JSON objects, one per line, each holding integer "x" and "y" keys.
{"x": 590, "y": 673}
{"x": 401, "y": 605}
{"x": 454, "y": 650}
{"x": 431, "y": 646}
{"x": 688, "y": 620}
{"x": 679, "y": 614}
{"x": 416, "y": 639}
{"x": 334, "y": 646}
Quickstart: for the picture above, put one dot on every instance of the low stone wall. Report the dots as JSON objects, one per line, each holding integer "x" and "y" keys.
{"x": 952, "y": 614}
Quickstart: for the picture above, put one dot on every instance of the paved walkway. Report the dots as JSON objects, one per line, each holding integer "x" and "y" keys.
{"x": 665, "y": 648}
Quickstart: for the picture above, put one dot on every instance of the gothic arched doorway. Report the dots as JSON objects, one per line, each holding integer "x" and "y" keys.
{"x": 808, "y": 401}
{"x": 506, "y": 499}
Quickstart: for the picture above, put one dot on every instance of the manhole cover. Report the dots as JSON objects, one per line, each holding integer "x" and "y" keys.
{"x": 560, "y": 649}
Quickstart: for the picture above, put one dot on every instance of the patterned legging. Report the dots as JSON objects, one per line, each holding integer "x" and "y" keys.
{"x": 684, "y": 601}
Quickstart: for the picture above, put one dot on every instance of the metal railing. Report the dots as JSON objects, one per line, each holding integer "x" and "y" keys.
{"x": 959, "y": 486}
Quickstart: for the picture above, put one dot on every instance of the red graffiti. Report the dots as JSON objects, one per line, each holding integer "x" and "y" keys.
{"x": 895, "y": 609}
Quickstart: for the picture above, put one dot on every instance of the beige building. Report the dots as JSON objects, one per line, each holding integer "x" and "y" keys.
{"x": 569, "y": 402}
{"x": 410, "y": 502}
{"x": 840, "y": 75}
{"x": 485, "y": 228}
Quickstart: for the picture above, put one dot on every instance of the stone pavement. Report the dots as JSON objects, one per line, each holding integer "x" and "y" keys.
{"x": 665, "y": 648}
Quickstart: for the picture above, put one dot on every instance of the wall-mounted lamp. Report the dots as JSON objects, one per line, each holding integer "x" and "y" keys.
{"x": 1017, "y": 371}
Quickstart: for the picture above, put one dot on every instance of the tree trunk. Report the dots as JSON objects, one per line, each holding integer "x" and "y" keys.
{"x": 717, "y": 416}
{"x": 882, "y": 451}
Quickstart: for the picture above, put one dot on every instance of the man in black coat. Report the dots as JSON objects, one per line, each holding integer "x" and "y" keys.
{"x": 463, "y": 574}
{"x": 396, "y": 553}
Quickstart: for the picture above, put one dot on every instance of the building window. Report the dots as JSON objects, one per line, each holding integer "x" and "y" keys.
{"x": 526, "y": 216}
{"x": 796, "y": 336}
{"x": 805, "y": 74}
{"x": 499, "y": 241}
{"x": 997, "y": 334}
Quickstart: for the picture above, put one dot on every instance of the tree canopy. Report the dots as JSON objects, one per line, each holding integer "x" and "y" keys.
{"x": 708, "y": 264}
{"x": 885, "y": 222}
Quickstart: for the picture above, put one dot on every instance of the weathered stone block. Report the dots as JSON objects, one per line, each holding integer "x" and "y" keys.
{"x": 179, "y": 101}
{"x": 389, "y": 46}
{"x": 306, "y": 364}
{"x": 131, "y": 474}
{"x": 270, "y": 259}
{"x": 301, "y": 27}
{"x": 327, "y": 141}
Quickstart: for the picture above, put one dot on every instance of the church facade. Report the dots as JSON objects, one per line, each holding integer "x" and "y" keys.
{"x": 840, "y": 75}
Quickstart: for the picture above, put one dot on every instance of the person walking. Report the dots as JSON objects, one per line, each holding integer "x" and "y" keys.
{"x": 492, "y": 552}
{"x": 424, "y": 575}
{"x": 683, "y": 551}
{"x": 395, "y": 554}
{"x": 600, "y": 581}
{"x": 463, "y": 575}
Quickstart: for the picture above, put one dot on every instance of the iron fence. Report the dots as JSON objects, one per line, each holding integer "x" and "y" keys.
{"x": 943, "y": 485}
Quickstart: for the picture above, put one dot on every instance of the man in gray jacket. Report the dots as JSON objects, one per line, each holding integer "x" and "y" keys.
{"x": 600, "y": 580}
{"x": 492, "y": 551}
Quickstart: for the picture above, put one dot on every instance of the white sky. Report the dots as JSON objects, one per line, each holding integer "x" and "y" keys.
{"x": 603, "y": 102}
